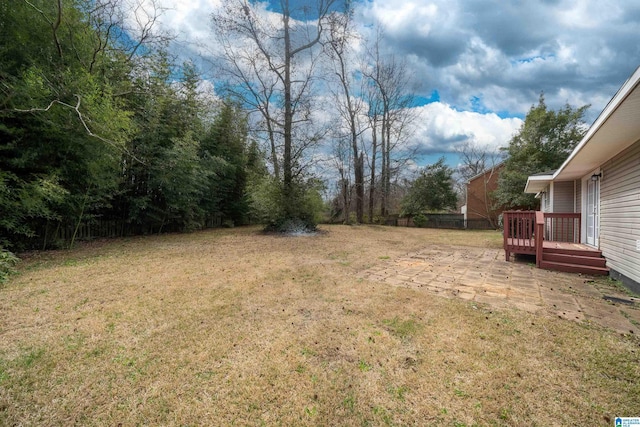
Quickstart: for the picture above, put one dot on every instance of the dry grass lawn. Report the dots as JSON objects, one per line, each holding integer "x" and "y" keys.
{"x": 235, "y": 327}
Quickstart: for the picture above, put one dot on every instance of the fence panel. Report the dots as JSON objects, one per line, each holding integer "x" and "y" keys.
{"x": 449, "y": 221}
{"x": 479, "y": 224}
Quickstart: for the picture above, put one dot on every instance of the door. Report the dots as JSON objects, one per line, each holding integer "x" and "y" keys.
{"x": 592, "y": 214}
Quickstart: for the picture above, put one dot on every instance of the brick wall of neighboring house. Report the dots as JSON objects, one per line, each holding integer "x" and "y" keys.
{"x": 479, "y": 201}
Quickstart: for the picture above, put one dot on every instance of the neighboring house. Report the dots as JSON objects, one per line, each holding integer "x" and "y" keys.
{"x": 480, "y": 209}
{"x": 599, "y": 185}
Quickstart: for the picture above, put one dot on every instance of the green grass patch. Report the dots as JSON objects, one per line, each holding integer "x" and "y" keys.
{"x": 403, "y": 329}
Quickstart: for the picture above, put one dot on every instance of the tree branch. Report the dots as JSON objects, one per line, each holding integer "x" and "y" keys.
{"x": 54, "y": 25}
{"x": 76, "y": 108}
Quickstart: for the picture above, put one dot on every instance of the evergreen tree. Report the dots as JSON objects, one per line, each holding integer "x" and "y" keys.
{"x": 224, "y": 149}
{"x": 543, "y": 142}
{"x": 61, "y": 128}
{"x": 431, "y": 191}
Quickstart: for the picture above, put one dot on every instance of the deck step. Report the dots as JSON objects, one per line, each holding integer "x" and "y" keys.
{"x": 573, "y": 268}
{"x": 574, "y": 259}
{"x": 579, "y": 252}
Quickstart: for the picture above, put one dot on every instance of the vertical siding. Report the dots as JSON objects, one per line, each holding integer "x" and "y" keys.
{"x": 563, "y": 196}
{"x": 578, "y": 201}
{"x": 620, "y": 212}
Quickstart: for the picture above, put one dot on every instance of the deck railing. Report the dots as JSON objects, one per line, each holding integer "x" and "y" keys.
{"x": 519, "y": 232}
{"x": 562, "y": 227}
{"x": 525, "y": 231}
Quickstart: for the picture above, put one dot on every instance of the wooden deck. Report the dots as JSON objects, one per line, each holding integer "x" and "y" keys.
{"x": 553, "y": 239}
{"x": 546, "y": 244}
{"x": 568, "y": 246}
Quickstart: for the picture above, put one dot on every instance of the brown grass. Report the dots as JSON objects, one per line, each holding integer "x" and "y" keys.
{"x": 235, "y": 327}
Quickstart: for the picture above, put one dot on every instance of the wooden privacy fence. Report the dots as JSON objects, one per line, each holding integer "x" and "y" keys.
{"x": 454, "y": 221}
{"x": 450, "y": 221}
{"x": 90, "y": 230}
{"x": 479, "y": 224}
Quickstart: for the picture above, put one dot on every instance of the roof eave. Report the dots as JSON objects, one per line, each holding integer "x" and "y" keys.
{"x": 537, "y": 183}
{"x": 625, "y": 90}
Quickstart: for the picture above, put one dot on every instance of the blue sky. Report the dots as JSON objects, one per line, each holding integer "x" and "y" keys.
{"x": 478, "y": 66}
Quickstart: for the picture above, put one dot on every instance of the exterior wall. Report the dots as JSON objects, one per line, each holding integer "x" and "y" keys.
{"x": 545, "y": 200}
{"x": 577, "y": 204}
{"x": 479, "y": 200}
{"x": 559, "y": 197}
{"x": 620, "y": 212}
{"x": 563, "y": 197}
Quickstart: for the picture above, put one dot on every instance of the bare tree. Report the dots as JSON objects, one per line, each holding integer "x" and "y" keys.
{"x": 348, "y": 104}
{"x": 273, "y": 57}
{"x": 475, "y": 159}
{"x": 124, "y": 26}
{"x": 374, "y": 119}
{"x": 251, "y": 80}
{"x": 392, "y": 102}
{"x": 479, "y": 160}
{"x": 342, "y": 158}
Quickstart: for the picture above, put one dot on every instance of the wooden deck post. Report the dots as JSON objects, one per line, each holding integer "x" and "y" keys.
{"x": 539, "y": 239}
{"x": 506, "y": 219}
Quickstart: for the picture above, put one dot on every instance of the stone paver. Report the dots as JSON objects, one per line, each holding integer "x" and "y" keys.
{"x": 482, "y": 275}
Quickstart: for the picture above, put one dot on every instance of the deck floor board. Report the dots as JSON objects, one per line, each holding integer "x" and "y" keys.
{"x": 529, "y": 244}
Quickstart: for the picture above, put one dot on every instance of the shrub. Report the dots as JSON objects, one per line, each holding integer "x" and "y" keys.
{"x": 8, "y": 262}
{"x": 301, "y": 211}
{"x": 420, "y": 220}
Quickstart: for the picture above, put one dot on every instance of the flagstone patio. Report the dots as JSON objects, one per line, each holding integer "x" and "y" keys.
{"x": 482, "y": 275}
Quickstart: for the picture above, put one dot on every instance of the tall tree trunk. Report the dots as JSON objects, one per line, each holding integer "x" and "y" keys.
{"x": 384, "y": 168}
{"x": 288, "y": 115}
{"x": 374, "y": 153}
{"x": 387, "y": 174}
{"x": 358, "y": 167}
{"x": 345, "y": 197}
{"x": 351, "y": 116}
{"x": 274, "y": 155}
{"x": 359, "y": 175}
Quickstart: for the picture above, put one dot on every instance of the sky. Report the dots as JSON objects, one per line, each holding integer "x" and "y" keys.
{"x": 478, "y": 66}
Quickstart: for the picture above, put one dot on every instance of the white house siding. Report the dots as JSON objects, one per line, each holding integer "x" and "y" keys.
{"x": 577, "y": 205}
{"x": 563, "y": 196}
{"x": 620, "y": 212}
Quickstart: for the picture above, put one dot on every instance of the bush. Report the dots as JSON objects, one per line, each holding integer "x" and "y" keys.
{"x": 8, "y": 262}
{"x": 420, "y": 220}
{"x": 300, "y": 212}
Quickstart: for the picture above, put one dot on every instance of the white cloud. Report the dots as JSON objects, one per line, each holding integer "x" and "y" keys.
{"x": 440, "y": 128}
{"x": 191, "y": 20}
{"x": 479, "y": 56}
{"x": 518, "y": 49}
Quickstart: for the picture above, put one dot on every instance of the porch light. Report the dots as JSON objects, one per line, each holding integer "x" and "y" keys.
{"x": 596, "y": 176}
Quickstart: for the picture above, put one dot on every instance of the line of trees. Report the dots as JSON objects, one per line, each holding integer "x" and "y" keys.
{"x": 374, "y": 101}
{"x": 98, "y": 122}
{"x": 275, "y": 64}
